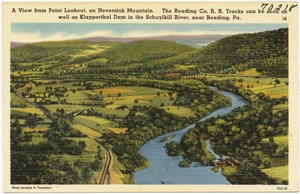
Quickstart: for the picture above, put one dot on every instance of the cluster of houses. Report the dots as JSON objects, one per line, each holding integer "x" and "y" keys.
{"x": 186, "y": 76}
{"x": 74, "y": 66}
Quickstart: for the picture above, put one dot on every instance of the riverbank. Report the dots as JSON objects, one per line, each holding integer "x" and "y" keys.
{"x": 165, "y": 169}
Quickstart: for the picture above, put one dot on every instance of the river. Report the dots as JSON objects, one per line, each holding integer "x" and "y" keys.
{"x": 164, "y": 169}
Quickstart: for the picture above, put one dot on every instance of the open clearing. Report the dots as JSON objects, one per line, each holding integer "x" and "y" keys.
{"x": 280, "y": 173}
{"x": 251, "y": 79}
{"x": 280, "y": 107}
{"x": 94, "y": 49}
{"x": 96, "y": 123}
{"x": 281, "y": 141}
{"x": 117, "y": 130}
{"x": 272, "y": 91}
{"x": 113, "y": 90}
{"x": 17, "y": 101}
{"x": 38, "y": 128}
{"x": 27, "y": 110}
{"x": 249, "y": 72}
{"x": 179, "y": 110}
{"x": 88, "y": 131}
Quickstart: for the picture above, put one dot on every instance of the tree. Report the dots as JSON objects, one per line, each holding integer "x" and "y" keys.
{"x": 277, "y": 81}
{"x": 267, "y": 163}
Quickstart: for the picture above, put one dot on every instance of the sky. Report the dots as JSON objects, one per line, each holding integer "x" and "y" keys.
{"x": 35, "y": 32}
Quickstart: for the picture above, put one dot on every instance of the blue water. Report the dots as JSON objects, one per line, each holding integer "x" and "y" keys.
{"x": 164, "y": 169}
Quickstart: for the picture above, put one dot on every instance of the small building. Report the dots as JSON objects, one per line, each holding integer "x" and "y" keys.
{"x": 226, "y": 162}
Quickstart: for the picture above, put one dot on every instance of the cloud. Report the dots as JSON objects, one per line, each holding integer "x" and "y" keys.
{"x": 148, "y": 33}
{"x": 38, "y": 37}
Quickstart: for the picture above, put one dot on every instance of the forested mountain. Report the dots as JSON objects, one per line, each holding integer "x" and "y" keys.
{"x": 143, "y": 51}
{"x": 54, "y": 50}
{"x": 266, "y": 51}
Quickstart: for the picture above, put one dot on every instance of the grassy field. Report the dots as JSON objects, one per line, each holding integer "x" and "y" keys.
{"x": 128, "y": 91}
{"x": 228, "y": 170}
{"x": 146, "y": 96}
{"x": 96, "y": 123}
{"x": 179, "y": 110}
{"x": 185, "y": 67}
{"x": 117, "y": 130}
{"x": 38, "y": 128}
{"x": 250, "y": 79}
{"x": 94, "y": 50}
{"x": 26, "y": 110}
{"x": 281, "y": 141}
{"x": 37, "y": 138}
{"x": 279, "y": 169}
{"x": 280, "y": 107}
{"x": 88, "y": 131}
{"x": 116, "y": 175}
{"x": 17, "y": 101}
{"x": 249, "y": 72}
{"x": 279, "y": 173}
{"x": 98, "y": 60}
{"x": 272, "y": 91}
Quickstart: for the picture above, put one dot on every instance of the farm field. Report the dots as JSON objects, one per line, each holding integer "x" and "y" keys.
{"x": 265, "y": 85}
{"x": 95, "y": 123}
{"x": 86, "y": 130}
{"x": 26, "y": 110}
{"x": 37, "y": 138}
{"x": 180, "y": 111}
{"x": 17, "y": 101}
{"x": 281, "y": 141}
{"x": 280, "y": 173}
{"x": 280, "y": 107}
{"x": 117, "y": 130}
{"x": 38, "y": 128}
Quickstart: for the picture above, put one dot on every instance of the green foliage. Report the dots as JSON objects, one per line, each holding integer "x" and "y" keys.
{"x": 173, "y": 148}
{"x": 38, "y": 51}
{"x": 265, "y": 51}
{"x": 185, "y": 163}
{"x": 60, "y": 128}
{"x": 143, "y": 51}
{"x": 142, "y": 128}
{"x": 248, "y": 173}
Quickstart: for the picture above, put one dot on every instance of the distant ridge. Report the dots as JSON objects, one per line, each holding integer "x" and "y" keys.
{"x": 171, "y": 38}
{"x": 17, "y": 44}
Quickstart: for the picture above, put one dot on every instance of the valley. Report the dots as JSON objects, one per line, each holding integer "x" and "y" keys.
{"x": 82, "y": 110}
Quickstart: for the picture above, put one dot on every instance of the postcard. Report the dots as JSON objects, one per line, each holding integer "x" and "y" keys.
{"x": 150, "y": 97}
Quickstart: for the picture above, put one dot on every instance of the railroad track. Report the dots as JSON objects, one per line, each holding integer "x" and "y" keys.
{"x": 105, "y": 175}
